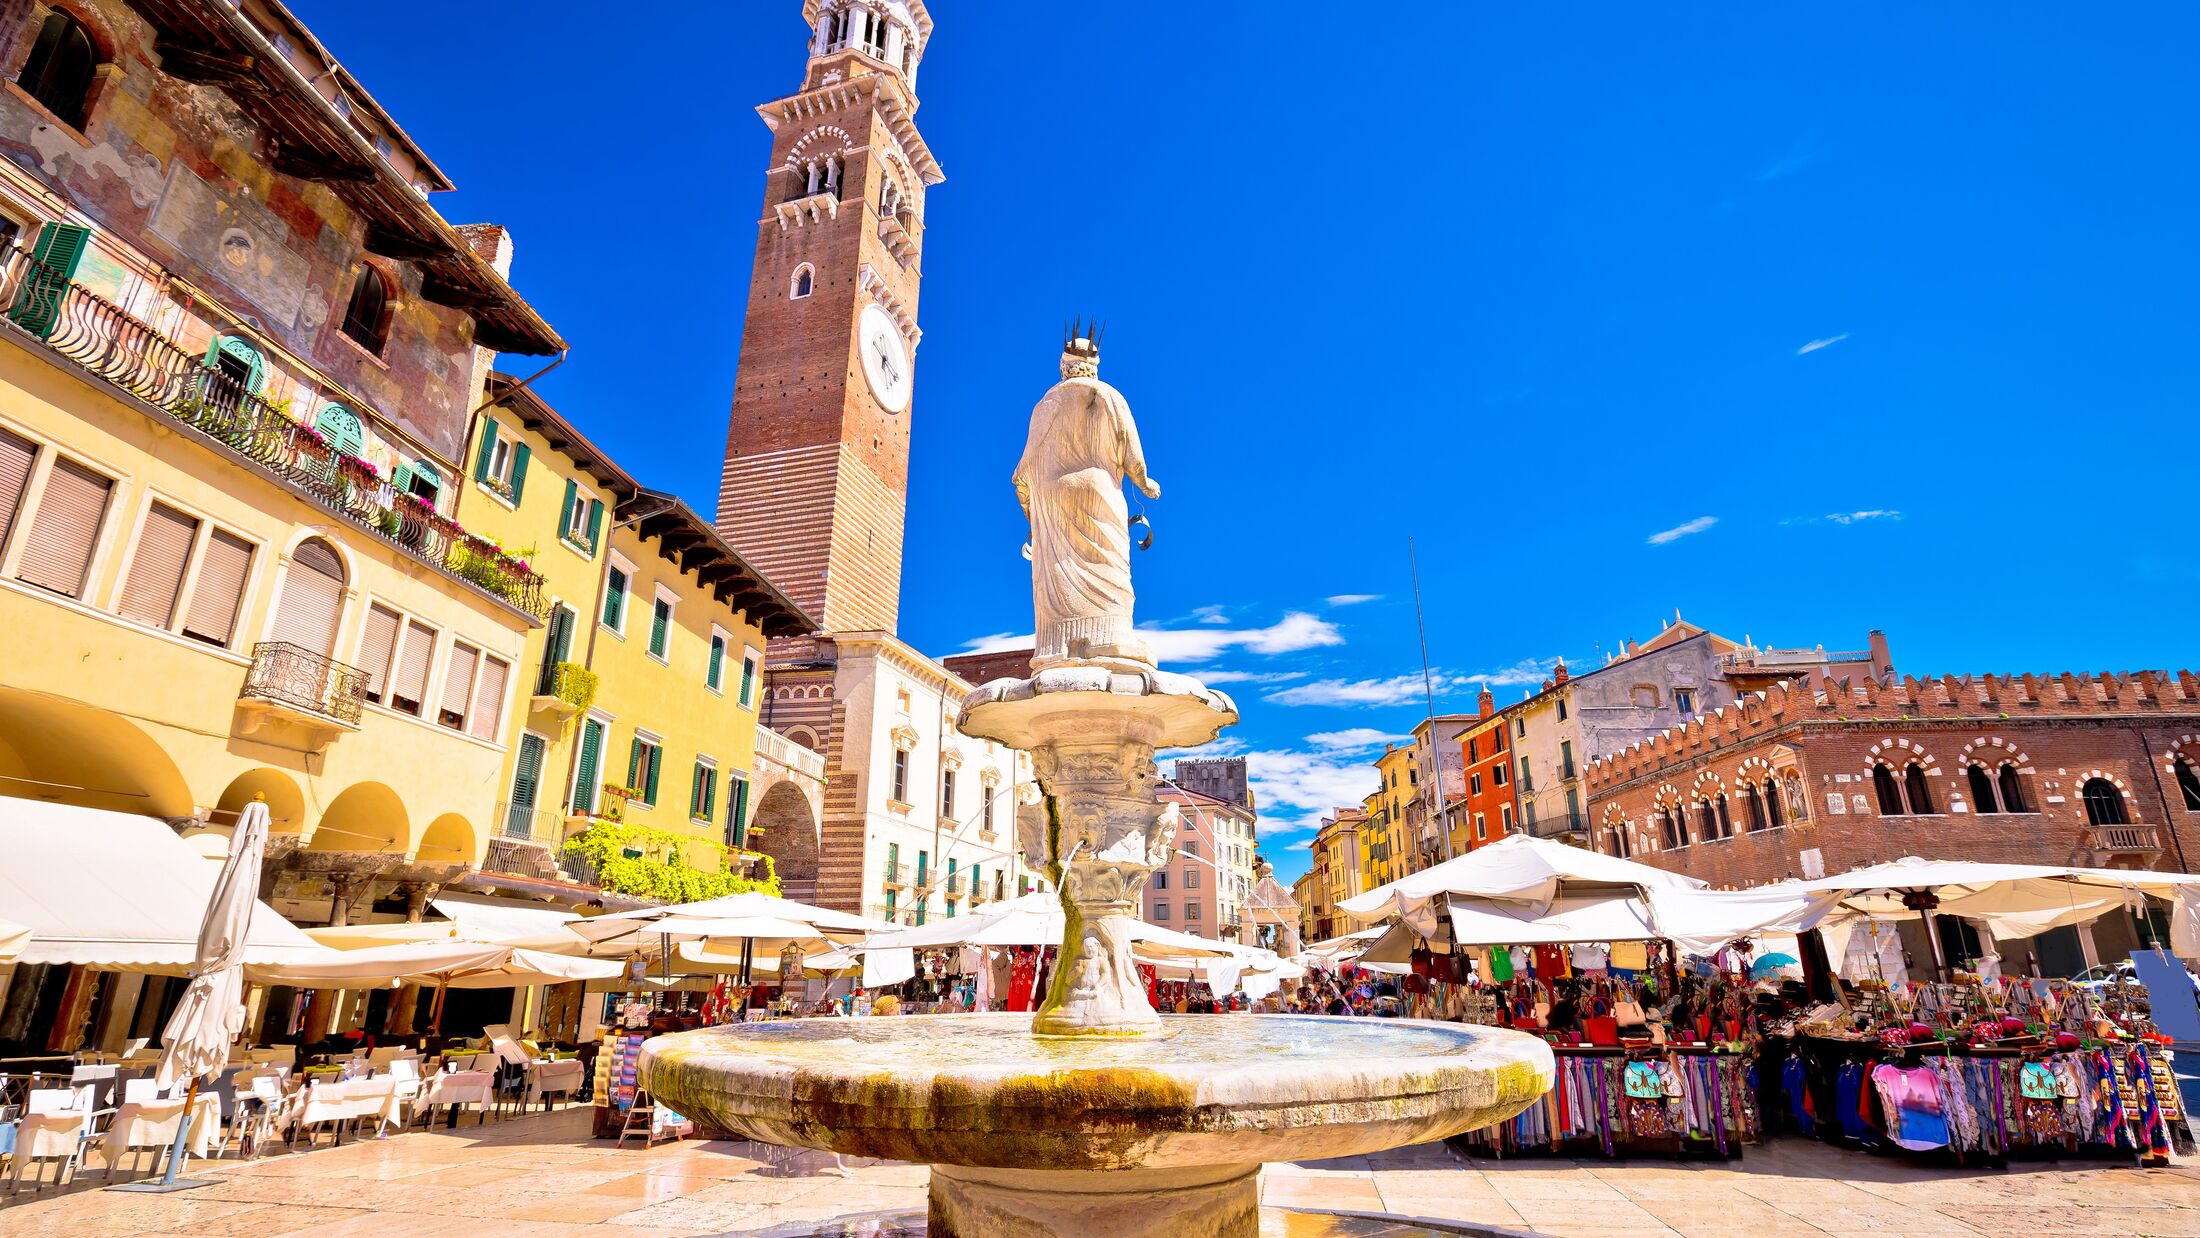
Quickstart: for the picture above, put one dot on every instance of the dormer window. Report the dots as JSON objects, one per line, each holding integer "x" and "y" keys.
{"x": 59, "y": 71}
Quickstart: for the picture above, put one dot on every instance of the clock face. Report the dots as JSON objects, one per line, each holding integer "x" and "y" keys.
{"x": 885, "y": 358}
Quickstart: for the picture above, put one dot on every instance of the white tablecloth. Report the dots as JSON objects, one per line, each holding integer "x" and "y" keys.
{"x": 459, "y": 1088}
{"x": 559, "y": 1078}
{"x": 152, "y": 1124}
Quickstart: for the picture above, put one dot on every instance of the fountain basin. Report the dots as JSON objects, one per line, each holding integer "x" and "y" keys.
{"x": 1154, "y": 1135}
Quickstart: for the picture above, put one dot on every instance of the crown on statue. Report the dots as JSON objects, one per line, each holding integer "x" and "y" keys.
{"x": 1081, "y": 348}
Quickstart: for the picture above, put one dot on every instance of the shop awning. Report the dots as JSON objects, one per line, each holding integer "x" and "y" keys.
{"x": 452, "y": 964}
{"x": 116, "y": 892}
{"x": 537, "y": 926}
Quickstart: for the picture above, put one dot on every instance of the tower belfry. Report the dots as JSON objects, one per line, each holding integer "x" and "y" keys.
{"x": 815, "y": 484}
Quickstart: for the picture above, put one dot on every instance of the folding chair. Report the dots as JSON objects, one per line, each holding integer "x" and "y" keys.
{"x": 55, "y": 1126}
{"x": 138, "y": 1127}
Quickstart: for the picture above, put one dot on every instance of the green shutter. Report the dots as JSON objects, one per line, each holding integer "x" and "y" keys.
{"x": 38, "y": 301}
{"x": 716, "y": 674}
{"x": 656, "y": 763}
{"x": 739, "y": 821}
{"x": 565, "y": 509}
{"x": 341, "y": 427}
{"x": 634, "y": 763}
{"x": 748, "y": 679}
{"x": 488, "y": 449}
{"x": 527, "y": 777}
{"x": 695, "y": 792}
{"x": 519, "y": 472}
{"x": 614, "y": 600}
{"x": 584, "y": 783}
{"x": 659, "y": 616}
{"x": 595, "y": 523}
{"x": 243, "y": 350}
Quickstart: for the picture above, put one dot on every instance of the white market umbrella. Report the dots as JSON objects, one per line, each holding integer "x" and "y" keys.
{"x": 1033, "y": 919}
{"x": 1516, "y": 868}
{"x": 206, "y": 1023}
{"x": 752, "y": 916}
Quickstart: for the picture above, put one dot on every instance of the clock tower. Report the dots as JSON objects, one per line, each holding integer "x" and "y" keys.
{"x": 816, "y": 473}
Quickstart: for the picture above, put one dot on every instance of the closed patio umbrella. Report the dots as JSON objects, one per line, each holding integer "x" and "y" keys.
{"x": 211, "y": 1014}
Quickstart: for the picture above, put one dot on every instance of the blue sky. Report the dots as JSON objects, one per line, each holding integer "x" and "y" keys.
{"x": 1801, "y": 320}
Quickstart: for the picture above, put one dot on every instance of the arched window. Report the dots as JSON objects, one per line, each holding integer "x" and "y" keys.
{"x": 2104, "y": 804}
{"x": 2012, "y": 791}
{"x": 59, "y": 71}
{"x": 805, "y": 282}
{"x": 1707, "y": 821}
{"x": 2188, "y": 784}
{"x": 1890, "y": 795}
{"x": 1772, "y": 804}
{"x": 1619, "y": 842}
{"x": 312, "y": 604}
{"x": 235, "y": 358}
{"x": 367, "y": 318}
{"x": 1726, "y": 819}
{"x": 1982, "y": 790}
{"x": 1921, "y": 796}
{"x": 342, "y": 428}
{"x": 1676, "y": 830}
{"x": 1756, "y": 809}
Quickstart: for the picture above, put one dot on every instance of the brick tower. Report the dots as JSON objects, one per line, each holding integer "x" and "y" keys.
{"x": 817, "y": 449}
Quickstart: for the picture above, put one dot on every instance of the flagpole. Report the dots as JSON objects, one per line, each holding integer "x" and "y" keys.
{"x": 1428, "y": 688}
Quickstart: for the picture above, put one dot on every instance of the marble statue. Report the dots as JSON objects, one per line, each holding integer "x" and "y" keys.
{"x": 1082, "y": 446}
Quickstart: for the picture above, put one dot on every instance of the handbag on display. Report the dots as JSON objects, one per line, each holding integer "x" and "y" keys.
{"x": 1642, "y": 1081}
{"x": 1629, "y": 1013}
{"x": 1600, "y": 1030}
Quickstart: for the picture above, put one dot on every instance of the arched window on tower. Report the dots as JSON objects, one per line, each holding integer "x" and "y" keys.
{"x": 367, "y": 316}
{"x": 1707, "y": 820}
{"x": 805, "y": 282}
{"x": 2188, "y": 785}
{"x": 2104, "y": 804}
{"x": 2012, "y": 790}
{"x": 1756, "y": 809}
{"x": 1726, "y": 819}
{"x": 1983, "y": 799}
{"x": 1890, "y": 795}
{"x": 1620, "y": 842}
{"x": 59, "y": 71}
{"x": 1920, "y": 795}
{"x": 1676, "y": 828}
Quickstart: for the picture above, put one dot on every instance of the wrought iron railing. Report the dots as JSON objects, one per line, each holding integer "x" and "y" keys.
{"x": 529, "y": 822}
{"x": 108, "y": 342}
{"x": 296, "y": 676}
{"x": 896, "y": 874}
{"x": 954, "y": 885}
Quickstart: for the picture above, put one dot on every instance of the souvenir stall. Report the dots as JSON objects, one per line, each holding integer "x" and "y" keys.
{"x": 1947, "y": 1064}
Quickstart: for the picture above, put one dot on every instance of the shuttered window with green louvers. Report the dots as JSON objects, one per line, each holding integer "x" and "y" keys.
{"x": 39, "y": 300}
{"x": 660, "y": 627}
{"x": 526, "y": 787}
{"x": 587, "y": 781}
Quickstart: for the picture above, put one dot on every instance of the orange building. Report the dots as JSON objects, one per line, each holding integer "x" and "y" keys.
{"x": 1487, "y": 813}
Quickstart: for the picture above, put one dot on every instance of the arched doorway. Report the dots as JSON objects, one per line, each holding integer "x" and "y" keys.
{"x": 785, "y": 829}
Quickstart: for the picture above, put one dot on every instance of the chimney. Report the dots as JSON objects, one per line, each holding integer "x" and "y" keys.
{"x": 1882, "y": 661}
{"x": 1486, "y": 701}
{"x": 1558, "y": 672}
{"x": 490, "y": 243}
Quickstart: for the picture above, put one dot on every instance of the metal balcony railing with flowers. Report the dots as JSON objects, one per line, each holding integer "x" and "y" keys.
{"x": 107, "y": 342}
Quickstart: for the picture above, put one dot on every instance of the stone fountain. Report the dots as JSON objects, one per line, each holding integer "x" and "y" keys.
{"x": 1097, "y": 1116}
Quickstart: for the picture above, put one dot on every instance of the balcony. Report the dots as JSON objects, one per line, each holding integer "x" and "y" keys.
{"x": 772, "y": 746}
{"x": 563, "y": 690}
{"x": 293, "y": 686}
{"x": 881, "y": 911}
{"x": 896, "y": 874}
{"x": 955, "y": 884}
{"x": 1560, "y": 825}
{"x": 528, "y": 823}
{"x": 97, "y": 337}
{"x": 2124, "y": 839}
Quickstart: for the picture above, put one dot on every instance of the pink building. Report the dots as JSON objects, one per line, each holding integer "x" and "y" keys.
{"x": 1205, "y": 884}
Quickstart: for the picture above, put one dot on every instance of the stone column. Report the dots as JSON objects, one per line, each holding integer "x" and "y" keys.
{"x": 404, "y": 1008}
{"x": 1105, "y": 830}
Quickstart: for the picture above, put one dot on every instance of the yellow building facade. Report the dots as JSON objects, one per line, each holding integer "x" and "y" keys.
{"x": 641, "y": 692}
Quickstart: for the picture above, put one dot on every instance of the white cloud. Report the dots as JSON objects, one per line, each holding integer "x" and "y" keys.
{"x": 1679, "y": 531}
{"x": 1295, "y": 631}
{"x": 1303, "y": 786}
{"x": 1352, "y": 599}
{"x": 1304, "y": 844}
{"x": 1528, "y": 671}
{"x": 999, "y": 642}
{"x": 1211, "y": 614}
{"x": 1815, "y": 345}
{"x": 1215, "y": 677}
{"x": 1355, "y": 737}
{"x": 1396, "y": 690}
{"x": 1874, "y": 514}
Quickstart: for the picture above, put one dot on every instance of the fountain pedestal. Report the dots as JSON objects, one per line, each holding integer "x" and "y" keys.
{"x": 969, "y": 1202}
{"x": 1091, "y": 732}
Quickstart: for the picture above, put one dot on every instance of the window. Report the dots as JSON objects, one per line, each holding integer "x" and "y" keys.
{"x": 409, "y": 681}
{"x": 752, "y": 669}
{"x": 1481, "y": 827}
{"x": 714, "y": 673}
{"x": 17, "y": 455}
{"x": 1756, "y": 806}
{"x": 1684, "y": 700}
{"x": 588, "y": 771}
{"x": 1707, "y": 821}
{"x": 1983, "y": 798}
{"x": 1920, "y": 796}
{"x": 1772, "y": 804}
{"x": 1191, "y": 910}
{"x": 581, "y": 519}
{"x": 1191, "y": 878}
{"x": 1527, "y": 784}
{"x": 924, "y": 861}
{"x": 1674, "y": 829}
{"x": 737, "y": 816}
{"x": 1890, "y": 796}
{"x": 947, "y": 793}
{"x": 312, "y": 603}
{"x": 1499, "y": 773}
{"x": 643, "y": 762}
{"x": 519, "y": 814}
{"x": 1566, "y": 758}
{"x": 1562, "y": 709}
{"x": 557, "y": 647}
{"x": 1474, "y": 784}
{"x": 488, "y": 710}
{"x": 805, "y": 281}
{"x": 218, "y": 592}
{"x": 1520, "y": 727}
{"x": 1160, "y": 879}
{"x": 422, "y": 481}
{"x": 703, "y": 791}
{"x": 985, "y": 809}
{"x": 1160, "y": 913}
{"x": 458, "y": 684}
{"x": 1621, "y": 846}
{"x": 898, "y": 787}
{"x": 2188, "y": 784}
{"x": 2104, "y": 803}
{"x": 501, "y": 464}
{"x": 366, "y": 317}
{"x": 1191, "y": 846}
{"x": 2012, "y": 791}
{"x": 660, "y": 628}
{"x": 64, "y": 531}
{"x": 1726, "y": 818}
{"x": 59, "y": 71}
{"x": 375, "y": 648}
{"x": 614, "y": 599}
{"x": 1473, "y": 751}
{"x": 155, "y": 580}
{"x": 1505, "y": 817}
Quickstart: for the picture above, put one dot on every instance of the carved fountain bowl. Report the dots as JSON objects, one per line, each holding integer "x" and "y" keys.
{"x": 981, "y": 1090}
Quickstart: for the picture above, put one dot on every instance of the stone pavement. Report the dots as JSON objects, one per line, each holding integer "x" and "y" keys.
{"x": 544, "y": 1176}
